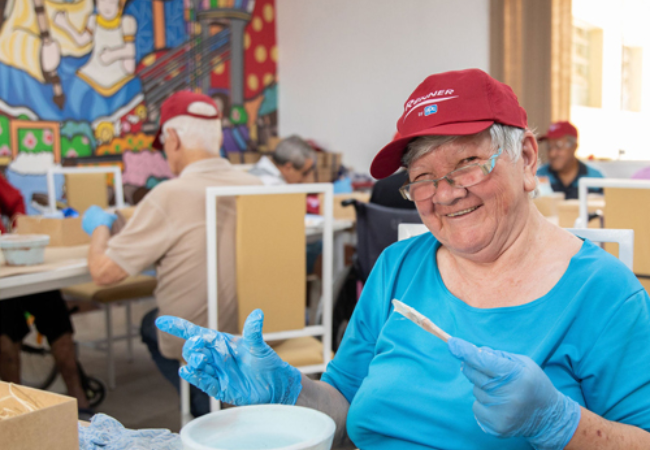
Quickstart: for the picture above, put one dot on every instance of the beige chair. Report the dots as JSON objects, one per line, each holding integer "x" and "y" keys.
{"x": 271, "y": 262}
{"x": 125, "y": 292}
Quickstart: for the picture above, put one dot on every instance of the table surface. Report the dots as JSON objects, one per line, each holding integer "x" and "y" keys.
{"x": 67, "y": 266}
{"x": 63, "y": 266}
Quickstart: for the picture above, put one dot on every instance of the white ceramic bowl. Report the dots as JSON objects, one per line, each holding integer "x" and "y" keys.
{"x": 277, "y": 427}
{"x": 23, "y": 249}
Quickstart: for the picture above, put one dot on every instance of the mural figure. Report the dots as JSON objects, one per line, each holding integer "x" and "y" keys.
{"x": 112, "y": 34}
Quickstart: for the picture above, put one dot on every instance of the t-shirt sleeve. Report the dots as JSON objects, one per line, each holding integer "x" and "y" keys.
{"x": 615, "y": 372}
{"x": 146, "y": 237}
{"x": 350, "y": 365}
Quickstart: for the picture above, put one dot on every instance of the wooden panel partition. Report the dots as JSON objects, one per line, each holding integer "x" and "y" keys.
{"x": 271, "y": 259}
{"x": 627, "y": 208}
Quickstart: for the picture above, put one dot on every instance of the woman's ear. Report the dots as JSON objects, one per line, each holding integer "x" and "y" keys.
{"x": 529, "y": 154}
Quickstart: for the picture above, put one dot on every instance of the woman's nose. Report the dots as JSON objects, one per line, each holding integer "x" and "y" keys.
{"x": 447, "y": 193}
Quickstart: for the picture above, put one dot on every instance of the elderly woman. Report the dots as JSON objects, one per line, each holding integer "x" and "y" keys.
{"x": 552, "y": 334}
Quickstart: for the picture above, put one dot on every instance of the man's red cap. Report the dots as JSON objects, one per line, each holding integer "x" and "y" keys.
{"x": 558, "y": 130}
{"x": 185, "y": 103}
{"x": 450, "y": 104}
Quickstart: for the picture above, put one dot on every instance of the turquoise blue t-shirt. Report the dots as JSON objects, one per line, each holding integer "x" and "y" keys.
{"x": 590, "y": 334}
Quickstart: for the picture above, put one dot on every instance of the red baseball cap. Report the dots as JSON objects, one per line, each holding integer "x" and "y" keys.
{"x": 450, "y": 104}
{"x": 558, "y": 130}
{"x": 185, "y": 103}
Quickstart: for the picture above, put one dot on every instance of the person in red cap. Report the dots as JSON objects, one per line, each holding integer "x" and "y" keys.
{"x": 547, "y": 333}
{"x": 564, "y": 169}
{"x": 167, "y": 230}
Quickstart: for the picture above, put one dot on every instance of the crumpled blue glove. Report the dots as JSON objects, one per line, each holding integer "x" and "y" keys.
{"x": 514, "y": 397}
{"x": 237, "y": 370}
{"x": 95, "y": 217}
{"x": 106, "y": 433}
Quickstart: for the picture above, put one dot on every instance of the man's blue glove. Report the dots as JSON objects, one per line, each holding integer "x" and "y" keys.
{"x": 95, "y": 217}
{"x": 514, "y": 397}
{"x": 237, "y": 370}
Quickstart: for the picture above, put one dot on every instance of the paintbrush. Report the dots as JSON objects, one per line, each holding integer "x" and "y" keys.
{"x": 421, "y": 321}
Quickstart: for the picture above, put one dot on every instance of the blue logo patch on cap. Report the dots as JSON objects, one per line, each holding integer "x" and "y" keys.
{"x": 430, "y": 110}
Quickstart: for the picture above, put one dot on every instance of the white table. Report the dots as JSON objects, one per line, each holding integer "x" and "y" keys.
{"x": 64, "y": 266}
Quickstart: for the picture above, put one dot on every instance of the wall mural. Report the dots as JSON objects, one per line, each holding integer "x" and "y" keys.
{"x": 81, "y": 81}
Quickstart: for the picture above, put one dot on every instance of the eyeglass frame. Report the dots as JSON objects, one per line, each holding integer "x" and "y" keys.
{"x": 486, "y": 167}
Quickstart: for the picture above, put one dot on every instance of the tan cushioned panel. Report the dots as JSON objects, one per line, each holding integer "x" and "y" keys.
{"x": 131, "y": 288}
{"x": 304, "y": 351}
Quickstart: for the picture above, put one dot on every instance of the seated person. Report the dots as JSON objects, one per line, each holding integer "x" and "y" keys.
{"x": 167, "y": 230}
{"x": 51, "y": 318}
{"x": 292, "y": 162}
{"x": 564, "y": 169}
{"x": 562, "y": 326}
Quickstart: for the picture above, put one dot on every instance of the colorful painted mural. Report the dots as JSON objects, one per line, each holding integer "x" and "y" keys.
{"x": 82, "y": 80}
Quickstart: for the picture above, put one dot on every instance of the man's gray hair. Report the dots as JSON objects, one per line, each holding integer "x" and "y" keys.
{"x": 196, "y": 134}
{"x": 294, "y": 150}
{"x": 508, "y": 138}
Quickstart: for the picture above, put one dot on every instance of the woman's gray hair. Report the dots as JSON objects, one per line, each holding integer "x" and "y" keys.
{"x": 294, "y": 150}
{"x": 508, "y": 138}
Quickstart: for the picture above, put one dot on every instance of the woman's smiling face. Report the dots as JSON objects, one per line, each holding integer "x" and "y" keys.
{"x": 470, "y": 220}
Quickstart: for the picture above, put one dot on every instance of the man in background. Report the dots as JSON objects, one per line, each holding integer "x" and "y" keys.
{"x": 167, "y": 230}
{"x": 564, "y": 169}
{"x": 292, "y": 162}
{"x": 51, "y": 318}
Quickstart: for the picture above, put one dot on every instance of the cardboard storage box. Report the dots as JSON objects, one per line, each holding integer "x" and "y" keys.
{"x": 244, "y": 157}
{"x": 345, "y": 212}
{"x": 62, "y": 232}
{"x": 52, "y": 425}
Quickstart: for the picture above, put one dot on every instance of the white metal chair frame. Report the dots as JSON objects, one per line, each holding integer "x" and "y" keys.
{"x": 323, "y": 329}
{"x": 105, "y": 345}
{"x": 117, "y": 182}
{"x": 624, "y": 238}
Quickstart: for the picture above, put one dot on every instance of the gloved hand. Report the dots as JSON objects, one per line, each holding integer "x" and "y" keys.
{"x": 514, "y": 397}
{"x": 237, "y": 370}
{"x": 95, "y": 217}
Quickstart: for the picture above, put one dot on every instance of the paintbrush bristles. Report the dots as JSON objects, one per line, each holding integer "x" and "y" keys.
{"x": 420, "y": 320}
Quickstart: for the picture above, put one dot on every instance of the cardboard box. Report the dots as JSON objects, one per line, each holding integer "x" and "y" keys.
{"x": 324, "y": 175}
{"x": 52, "y": 426}
{"x": 548, "y": 205}
{"x": 62, "y": 232}
{"x": 244, "y": 157}
{"x": 345, "y": 212}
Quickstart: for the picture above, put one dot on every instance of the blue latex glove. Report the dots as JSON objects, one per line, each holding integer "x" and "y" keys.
{"x": 106, "y": 433}
{"x": 95, "y": 217}
{"x": 236, "y": 370}
{"x": 514, "y": 397}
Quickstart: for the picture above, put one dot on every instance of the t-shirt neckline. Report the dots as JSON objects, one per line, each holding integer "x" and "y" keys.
{"x": 503, "y": 309}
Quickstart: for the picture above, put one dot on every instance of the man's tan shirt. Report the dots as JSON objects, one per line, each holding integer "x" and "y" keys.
{"x": 168, "y": 230}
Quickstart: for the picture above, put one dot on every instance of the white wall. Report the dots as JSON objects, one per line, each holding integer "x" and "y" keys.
{"x": 346, "y": 67}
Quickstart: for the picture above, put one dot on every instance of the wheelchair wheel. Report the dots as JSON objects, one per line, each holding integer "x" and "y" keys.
{"x": 94, "y": 388}
{"x": 95, "y": 391}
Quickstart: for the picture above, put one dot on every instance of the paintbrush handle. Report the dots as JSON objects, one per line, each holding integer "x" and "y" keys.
{"x": 435, "y": 330}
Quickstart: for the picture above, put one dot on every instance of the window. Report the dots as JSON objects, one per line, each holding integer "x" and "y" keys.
{"x": 631, "y": 61}
{"x": 587, "y": 65}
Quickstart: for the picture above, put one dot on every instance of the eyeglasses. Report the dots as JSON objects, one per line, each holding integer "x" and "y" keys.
{"x": 463, "y": 178}
{"x": 559, "y": 145}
